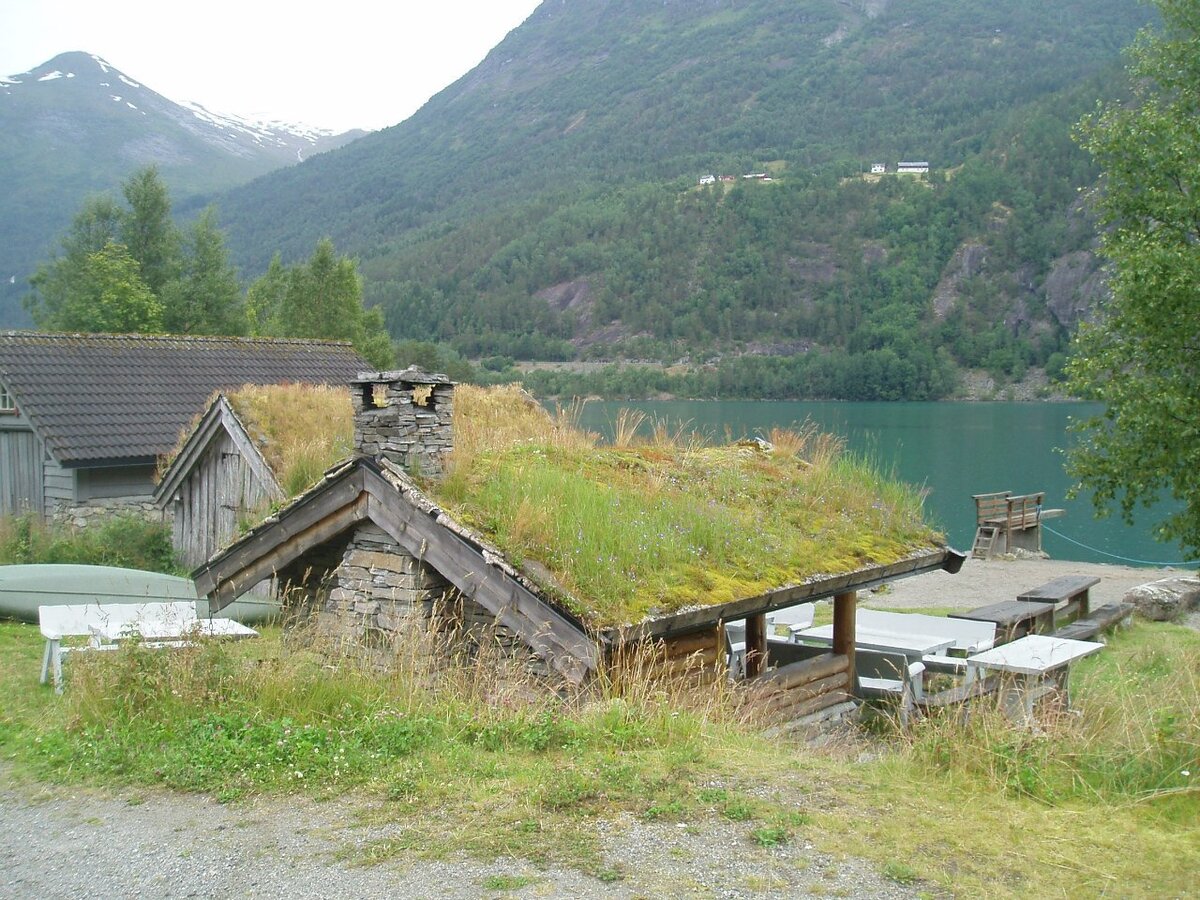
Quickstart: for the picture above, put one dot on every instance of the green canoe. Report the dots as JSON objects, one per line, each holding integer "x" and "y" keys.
{"x": 24, "y": 588}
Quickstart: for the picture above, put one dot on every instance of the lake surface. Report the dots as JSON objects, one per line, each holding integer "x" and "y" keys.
{"x": 954, "y": 450}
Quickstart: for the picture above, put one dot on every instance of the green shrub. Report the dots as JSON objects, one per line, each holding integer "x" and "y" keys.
{"x": 128, "y": 541}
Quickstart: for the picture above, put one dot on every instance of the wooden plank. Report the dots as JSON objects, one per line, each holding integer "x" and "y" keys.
{"x": 294, "y": 545}
{"x": 801, "y": 695}
{"x": 812, "y": 705}
{"x": 689, "y": 643}
{"x": 294, "y": 520}
{"x": 1098, "y": 620}
{"x": 565, "y": 645}
{"x": 861, "y": 579}
{"x": 807, "y": 670}
{"x": 250, "y": 454}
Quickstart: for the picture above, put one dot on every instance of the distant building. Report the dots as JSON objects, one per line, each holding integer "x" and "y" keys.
{"x": 708, "y": 179}
{"x": 878, "y": 168}
{"x": 912, "y": 168}
{"x": 727, "y": 179}
{"x": 756, "y": 175}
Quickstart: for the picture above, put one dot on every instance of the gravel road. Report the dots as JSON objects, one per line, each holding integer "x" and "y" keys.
{"x": 70, "y": 843}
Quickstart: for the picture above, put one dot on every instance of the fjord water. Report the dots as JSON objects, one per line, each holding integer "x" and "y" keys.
{"x": 953, "y": 450}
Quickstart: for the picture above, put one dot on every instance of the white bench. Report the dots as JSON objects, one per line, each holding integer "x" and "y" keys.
{"x": 165, "y": 624}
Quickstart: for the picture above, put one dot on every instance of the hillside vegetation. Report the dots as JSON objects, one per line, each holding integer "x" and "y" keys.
{"x": 546, "y": 205}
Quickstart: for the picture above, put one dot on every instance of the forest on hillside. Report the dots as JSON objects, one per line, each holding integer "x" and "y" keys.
{"x": 547, "y": 206}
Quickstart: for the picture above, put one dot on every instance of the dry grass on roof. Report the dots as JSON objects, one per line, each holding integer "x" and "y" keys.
{"x": 669, "y": 522}
{"x": 300, "y": 429}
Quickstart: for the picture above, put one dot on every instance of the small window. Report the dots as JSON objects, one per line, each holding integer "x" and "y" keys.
{"x": 7, "y": 403}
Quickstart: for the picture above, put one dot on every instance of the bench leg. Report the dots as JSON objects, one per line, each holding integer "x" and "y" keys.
{"x": 56, "y": 665}
{"x": 51, "y": 646}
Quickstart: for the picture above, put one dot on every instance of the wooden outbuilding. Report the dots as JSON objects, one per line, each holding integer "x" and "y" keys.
{"x": 84, "y": 418}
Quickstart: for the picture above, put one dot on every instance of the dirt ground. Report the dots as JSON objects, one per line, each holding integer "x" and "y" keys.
{"x": 984, "y": 581}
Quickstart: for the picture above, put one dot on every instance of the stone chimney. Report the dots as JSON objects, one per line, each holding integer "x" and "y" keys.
{"x": 406, "y": 417}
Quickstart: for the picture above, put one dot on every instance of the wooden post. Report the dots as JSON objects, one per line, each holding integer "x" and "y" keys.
{"x": 756, "y": 644}
{"x": 844, "y": 610}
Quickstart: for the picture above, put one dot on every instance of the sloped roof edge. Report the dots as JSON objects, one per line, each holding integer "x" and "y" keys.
{"x": 219, "y": 416}
{"x": 360, "y": 490}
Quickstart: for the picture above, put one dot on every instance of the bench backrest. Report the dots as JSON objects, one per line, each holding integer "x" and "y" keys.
{"x": 969, "y": 636}
{"x": 784, "y": 653}
{"x": 76, "y": 619}
{"x": 882, "y": 664}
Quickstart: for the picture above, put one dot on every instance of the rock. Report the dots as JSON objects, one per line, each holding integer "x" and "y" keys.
{"x": 1167, "y": 599}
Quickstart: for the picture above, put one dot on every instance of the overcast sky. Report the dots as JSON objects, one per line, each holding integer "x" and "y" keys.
{"x": 339, "y": 65}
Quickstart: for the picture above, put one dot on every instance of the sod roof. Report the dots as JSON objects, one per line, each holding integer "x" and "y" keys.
{"x": 646, "y": 528}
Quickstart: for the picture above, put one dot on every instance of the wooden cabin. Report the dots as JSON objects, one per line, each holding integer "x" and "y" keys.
{"x": 84, "y": 418}
{"x": 372, "y": 553}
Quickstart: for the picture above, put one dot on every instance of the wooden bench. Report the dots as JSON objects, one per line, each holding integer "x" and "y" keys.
{"x": 105, "y": 625}
{"x": 1014, "y": 618}
{"x": 1098, "y": 620}
{"x": 1068, "y": 593}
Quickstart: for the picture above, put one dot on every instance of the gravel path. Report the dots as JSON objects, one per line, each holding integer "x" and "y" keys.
{"x": 70, "y": 843}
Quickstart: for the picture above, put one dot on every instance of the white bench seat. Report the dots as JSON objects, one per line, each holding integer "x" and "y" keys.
{"x": 166, "y": 624}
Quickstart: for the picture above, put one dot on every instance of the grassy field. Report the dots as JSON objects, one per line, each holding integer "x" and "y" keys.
{"x": 1105, "y": 800}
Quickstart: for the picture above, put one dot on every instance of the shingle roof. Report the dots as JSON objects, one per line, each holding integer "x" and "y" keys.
{"x": 95, "y": 397}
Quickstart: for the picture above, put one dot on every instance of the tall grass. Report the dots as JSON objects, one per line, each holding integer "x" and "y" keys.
{"x": 301, "y": 429}
{"x": 1133, "y": 735}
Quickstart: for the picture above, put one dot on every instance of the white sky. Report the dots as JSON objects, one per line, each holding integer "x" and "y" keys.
{"x": 340, "y": 65}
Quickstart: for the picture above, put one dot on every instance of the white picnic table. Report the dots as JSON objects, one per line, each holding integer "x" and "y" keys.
{"x": 106, "y": 625}
{"x": 1040, "y": 662}
{"x": 912, "y": 642}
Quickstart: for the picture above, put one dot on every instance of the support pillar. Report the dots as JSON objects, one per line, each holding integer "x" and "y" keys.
{"x": 756, "y": 644}
{"x": 845, "y": 608}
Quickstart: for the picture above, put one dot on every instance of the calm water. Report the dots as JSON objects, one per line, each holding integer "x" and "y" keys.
{"x": 953, "y": 449}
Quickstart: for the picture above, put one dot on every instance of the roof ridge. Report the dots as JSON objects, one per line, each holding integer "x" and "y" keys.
{"x": 192, "y": 338}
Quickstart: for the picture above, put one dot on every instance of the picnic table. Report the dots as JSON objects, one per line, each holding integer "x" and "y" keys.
{"x": 1068, "y": 593}
{"x": 1039, "y": 664}
{"x": 911, "y": 642}
{"x": 1014, "y": 618}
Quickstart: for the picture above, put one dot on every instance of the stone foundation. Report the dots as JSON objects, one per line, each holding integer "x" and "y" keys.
{"x": 372, "y": 599}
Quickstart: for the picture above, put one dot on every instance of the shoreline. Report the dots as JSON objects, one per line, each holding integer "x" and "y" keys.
{"x": 984, "y": 581}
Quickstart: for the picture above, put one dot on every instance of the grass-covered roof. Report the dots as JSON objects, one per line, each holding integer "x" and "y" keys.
{"x": 300, "y": 429}
{"x": 645, "y": 528}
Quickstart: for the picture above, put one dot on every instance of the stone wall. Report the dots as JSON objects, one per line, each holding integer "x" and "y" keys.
{"x": 97, "y": 512}
{"x": 377, "y": 600}
{"x": 406, "y": 417}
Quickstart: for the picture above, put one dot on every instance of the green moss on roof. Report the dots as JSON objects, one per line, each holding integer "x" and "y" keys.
{"x": 643, "y": 531}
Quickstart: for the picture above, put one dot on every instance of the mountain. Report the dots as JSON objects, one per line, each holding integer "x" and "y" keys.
{"x": 77, "y": 125}
{"x": 548, "y": 205}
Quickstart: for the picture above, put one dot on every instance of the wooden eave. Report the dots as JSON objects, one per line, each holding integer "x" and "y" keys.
{"x": 362, "y": 490}
{"x": 668, "y": 627}
{"x": 219, "y": 417}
